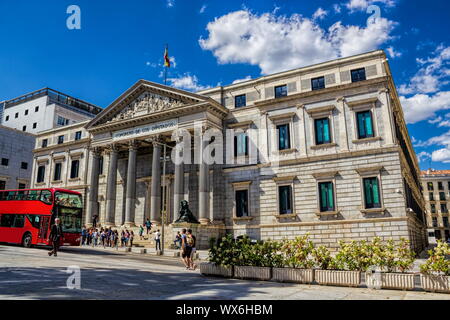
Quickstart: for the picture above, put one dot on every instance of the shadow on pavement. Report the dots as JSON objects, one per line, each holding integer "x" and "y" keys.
{"x": 126, "y": 284}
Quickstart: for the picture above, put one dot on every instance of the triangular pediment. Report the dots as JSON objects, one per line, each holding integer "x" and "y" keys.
{"x": 145, "y": 98}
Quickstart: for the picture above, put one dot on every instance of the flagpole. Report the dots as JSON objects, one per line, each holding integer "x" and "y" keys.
{"x": 165, "y": 71}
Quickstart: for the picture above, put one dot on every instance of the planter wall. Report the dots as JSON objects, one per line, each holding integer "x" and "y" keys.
{"x": 255, "y": 273}
{"x": 434, "y": 283}
{"x": 293, "y": 275}
{"x": 338, "y": 278}
{"x": 212, "y": 269}
{"x": 401, "y": 281}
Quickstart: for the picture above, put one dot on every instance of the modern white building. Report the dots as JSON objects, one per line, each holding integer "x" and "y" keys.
{"x": 45, "y": 109}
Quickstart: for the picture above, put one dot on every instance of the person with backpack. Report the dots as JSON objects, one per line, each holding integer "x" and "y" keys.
{"x": 148, "y": 225}
{"x": 185, "y": 249}
{"x": 191, "y": 242}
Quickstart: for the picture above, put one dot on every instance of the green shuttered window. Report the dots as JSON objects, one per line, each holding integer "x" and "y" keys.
{"x": 365, "y": 124}
{"x": 326, "y": 195}
{"x": 371, "y": 193}
{"x": 322, "y": 128}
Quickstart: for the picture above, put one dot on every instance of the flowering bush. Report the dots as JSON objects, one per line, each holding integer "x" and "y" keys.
{"x": 323, "y": 259}
{"x": 355, "y": 256}
{"x": 437, "y": 263}
{"x": 297, "y": 253}
{"x": 224, "y": 252}
{"x": 391, "y": 257}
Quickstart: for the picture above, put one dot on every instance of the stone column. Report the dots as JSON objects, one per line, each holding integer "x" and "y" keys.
{"x": 111, "y": 187}
{"x": 178, "y": 189}
{"x": 131, "y": 184}
{"x": 155, "y": 204}
{"x": 92, "y": 209}
{"x": 203, "y": 187}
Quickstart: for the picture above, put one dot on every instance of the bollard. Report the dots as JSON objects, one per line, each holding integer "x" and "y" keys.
{"x": 158, "y": 252}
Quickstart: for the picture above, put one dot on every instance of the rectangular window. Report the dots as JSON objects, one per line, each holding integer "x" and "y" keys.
{"x": 7, "y": 118}
{"x": 318, "y": 83}
{"x": 36, "y": 109}
{"x": 78, "y": 135}
{"x": 430, "y": 186}
{"x": 57, "y": 173}
{"x": 62, "y": 121}
{"x": 2, "y": 185}
{"x": 5, "y": 162}
{"x": 22, "y": 186}
{"x": 442, "y": 196}
{"x": 6, "y": 220}
{"x": 440, "y": 185}
{"x": 284, "y": 140}
{"x": 17, "y": 115}
{"x": 281, "y": 91}
{"x": 60, "y": 139}
{"x": 24, "y": 165}
{"x": 358, "y": 75}
{"x": 437, "y": 234}
{"x": 240, "y": 101}
{"x": 433, "y": 208}
{"x": 41, "y": 174}
{"x": 242, "y": 203}
{"x": 24, "y": 128}
{"x": 35, "y": 125}
{"x": 285, "y": 199}
{"x": 365, "y": 124}
{"x": 448, "y": 187}
{"x": 241, "y": 144}
{"x": 44, "y": 143}
{"x": 326, "y": 196}
{"x": 371, "y": 193}
{"x": 435, "y": 222}
{"x": 100, "y": 165}
{"x": 444, "y": 208}
{"x": 74, "y": 169}
{"x": 431, "y": 196}
{"x": 322, "y": 130}
{"x": 26, "y": 112}
{"x": 445, "y": 221}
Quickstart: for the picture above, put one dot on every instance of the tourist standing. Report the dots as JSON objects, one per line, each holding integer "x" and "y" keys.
{"x": 185, "y": 250}
{"x": 177, "y": 241}
{"x": 141, "y": 232}
{"x": 131, "y": 238}
{"x": 191, "y": 242}
{"x": 148, "y": 225}
{"x": 83, "y": 235}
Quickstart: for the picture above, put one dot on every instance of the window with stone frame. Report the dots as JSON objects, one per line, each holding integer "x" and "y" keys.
{"x": 322, "y": 131}
{"x": 240, "y": 101}
{"x": 435, "y": 222}
{"x": 371, "y": 189}
{"x": 281, "y": 91}
{"x": 74, "y": 169}
{"x": 241, "y": 144}
{"x": 100, "y": 165}
{"x": 430, "y": 186}
{"x": 371, "y": 193}
{"x": 431, "y": 196}
{"x": 440, "y": 185}
{"x": 40, "y": 174}
{"x": 2, "y": 185}
{"x": 284, "y": 136}
{"x": 444, "y": 208}
{"x": 285, "y": 199}
{"x": 445, "y": 222}
{"x": 326, "y": 196}
{"x": 358, "y": 74}
{"x": 57, "y": 172}
{"x": 318, "y": 83}
{"x": 441, "y": 196}
{"x": 364, "y": 122}
{"x": 433, "y": 208}
{"x": 241, "y": 198}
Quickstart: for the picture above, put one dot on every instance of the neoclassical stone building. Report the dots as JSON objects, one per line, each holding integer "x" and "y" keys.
{"x": 322, "y": 149}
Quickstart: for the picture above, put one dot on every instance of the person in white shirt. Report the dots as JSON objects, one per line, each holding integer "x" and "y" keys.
{"x": 158, "y": 240}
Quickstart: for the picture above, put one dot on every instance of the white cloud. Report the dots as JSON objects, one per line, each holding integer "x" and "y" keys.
{"x": 392, "y": 53}
{"x": 202, "y": 9}
{"x": 277, "y": 43}
{"x": 441, "y": 155}
{"x": 242, "y": 80}
{"x": 336, "y": 8}
{"x": 320, "y": 14}
{"x": 360, "y": 5}
{"x": 436, "y": 120}
{"x": 423, "y": 156}
{"x": 170, "y": 3}
{"x": 431, "y": 76}
{"x": 187, "y": 82}
{"x": 421, "y": 106}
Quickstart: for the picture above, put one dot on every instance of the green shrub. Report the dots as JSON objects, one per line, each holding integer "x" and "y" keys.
{"x": 224, "y": 252}
{"x": 297, "y": 253}
{"x": 437, "y": 263}
{"x": 323, "y": 259}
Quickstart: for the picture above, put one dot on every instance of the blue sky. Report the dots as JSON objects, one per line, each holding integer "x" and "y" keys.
{"x": 217, "y": 42}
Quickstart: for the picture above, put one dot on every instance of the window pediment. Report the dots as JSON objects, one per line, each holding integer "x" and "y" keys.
{"x": 325, "y": 175}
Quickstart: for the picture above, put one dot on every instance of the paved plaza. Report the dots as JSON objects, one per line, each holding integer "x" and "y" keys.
{"x": 32, "y": 274}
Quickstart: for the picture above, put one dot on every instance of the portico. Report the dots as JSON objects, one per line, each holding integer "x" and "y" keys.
{"x": 131, "y": 134}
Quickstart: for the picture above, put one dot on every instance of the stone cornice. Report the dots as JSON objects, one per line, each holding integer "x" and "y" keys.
{"x": 82, "y": 142}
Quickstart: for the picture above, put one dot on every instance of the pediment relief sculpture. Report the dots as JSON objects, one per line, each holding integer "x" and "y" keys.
{"x": 145, "y": 104}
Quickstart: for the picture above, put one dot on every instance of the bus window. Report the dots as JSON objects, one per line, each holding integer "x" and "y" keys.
{"x": 34, "y": 220}
{"x": 19, "y": 221}
{"x": 6, "y": 220}
{"x": 33, "y": 195}
{"x": 11, "y": 195}
{"x": 46, "y": 196}
{"x": 2, "y": 196}
{"x": 21, "y": 195}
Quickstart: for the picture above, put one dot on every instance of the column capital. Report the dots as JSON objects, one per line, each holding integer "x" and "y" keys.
{"x": 111, "y": 148}
{"x": 156, "y": 140}
{"x": 133, "y": 145}
{"x": 340, "y": 99}
{"x": 96, "y": 151}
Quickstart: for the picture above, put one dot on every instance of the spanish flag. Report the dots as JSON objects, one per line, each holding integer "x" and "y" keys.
{"x": 166, "y": 58}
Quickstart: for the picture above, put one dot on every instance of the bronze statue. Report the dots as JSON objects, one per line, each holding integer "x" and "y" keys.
{"x": 186, "y": 214}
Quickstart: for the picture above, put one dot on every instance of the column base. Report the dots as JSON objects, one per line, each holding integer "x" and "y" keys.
{"x": 109, "y": 224}
{"x": 204, "y": 221}
{"x": 155, "y": 222}
{"x": 129, "y": 224}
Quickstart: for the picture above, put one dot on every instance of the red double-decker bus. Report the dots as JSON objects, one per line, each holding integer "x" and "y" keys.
{"x": 26, "y": 216}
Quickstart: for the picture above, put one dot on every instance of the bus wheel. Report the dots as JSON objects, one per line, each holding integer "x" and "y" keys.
{"x": 26, "y": 240}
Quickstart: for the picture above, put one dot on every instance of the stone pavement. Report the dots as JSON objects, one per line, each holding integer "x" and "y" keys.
{"x": 32, "y": 274}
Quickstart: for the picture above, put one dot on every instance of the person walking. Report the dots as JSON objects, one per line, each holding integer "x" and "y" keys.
{"x": 158, "y": 240}
{"x": 192, "y": 241}
{"x": 141, "y": 232}
{"x": 185, "y": 250}
{"x": 148, "y": 225}
{"x": 56, "y": 234}
{"x": 131, "y": 238}
{"x": 94, "y": 221}
{"x": 83, "y": 235}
